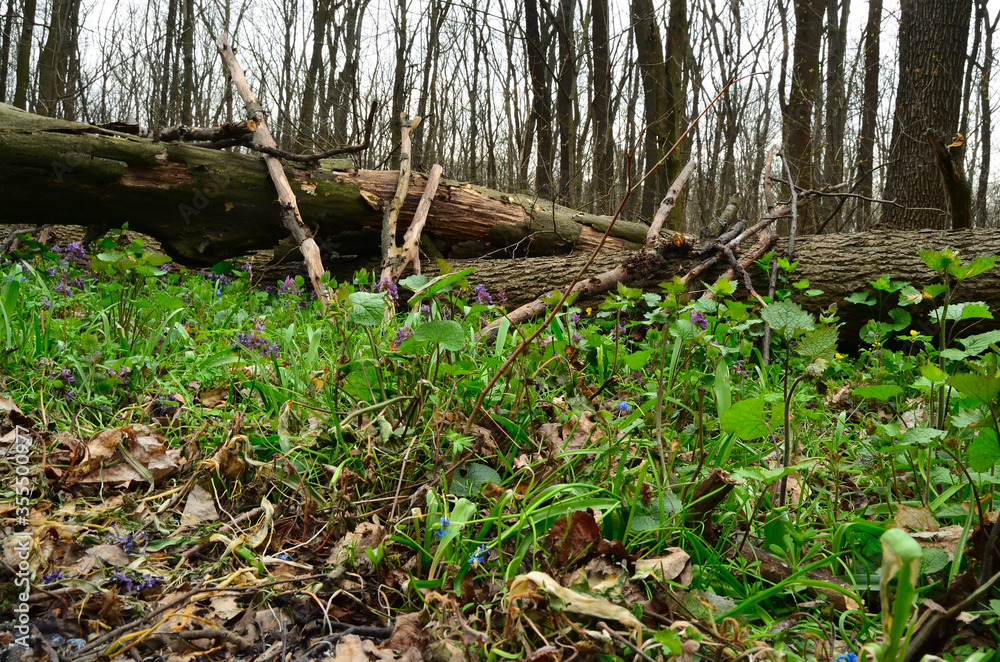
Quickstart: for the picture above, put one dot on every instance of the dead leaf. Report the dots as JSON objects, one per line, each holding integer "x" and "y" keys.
{"x": 571, "y": 601}
{"x": 199, "y": 507}
{"x": 112, "y": 555}
{"x": 572, "y": 538}
{"x": 915, "y": 519}
{"x": 674, "y": 567}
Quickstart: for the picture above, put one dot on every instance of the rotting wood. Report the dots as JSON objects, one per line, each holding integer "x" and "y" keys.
{"x": 290, "y": 215}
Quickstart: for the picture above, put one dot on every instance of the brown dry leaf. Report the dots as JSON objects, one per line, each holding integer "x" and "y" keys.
{"x": 571, "y": 601}
{"x": 353, "y": 545}
{"x": 945, "y": 538}
{"x": 224, "y": 606}
{"x": 674, "y": 567}
{"x": 839, "y": 399}
{"x": 572, "y": 538}
{"x": 7, "y": 404}
{"x": 105, "y": 464}
{"x": 407, "y": 633}
{"x": 112, "y": 555}
{"x": 199, "y": 506}
{"x": 214, "y": 398}
{"x": 915, "y": 519}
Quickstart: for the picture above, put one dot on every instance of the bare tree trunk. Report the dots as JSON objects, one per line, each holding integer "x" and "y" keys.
{"x": 473, "y": 91}
{"x": 836, "y": 100}
{"x": 869, "y": 110}
{"x": 53, "y": 61}
{"x": 23, "y": 71}
{"x": 8, "y": 31}
{"x": 565, "y": 96}
{"x": 399, "y": 79}
{"x": 604, "y": 164}
{"x": 932, "y": 39}
{"x": 541, "y": 102}
{"x": 661, "y": 75}
{"x": 187, "y": 85}
{"x": 798, "y": 113}
{"x": 986, "y": 130}
{"x": 438, "y": 13}
{"x": 307, "y": 133}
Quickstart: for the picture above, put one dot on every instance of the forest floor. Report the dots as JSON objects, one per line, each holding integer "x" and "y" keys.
{"x": 199, "y": 466}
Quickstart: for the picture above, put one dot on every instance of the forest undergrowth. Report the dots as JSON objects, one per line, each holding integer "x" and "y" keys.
{"x": 199, "y": 466}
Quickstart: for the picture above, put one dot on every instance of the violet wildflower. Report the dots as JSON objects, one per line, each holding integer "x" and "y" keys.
{"x": 698, "y": 319}
{"x": 51, "y": 270}
{"x": 63, "y": 289}
{"x": 638, "y": 377}
{"x": 69, "y": 396}
{"x": 52, "y": 577}
{"x": 62, "y": 377}
{"x": 402, "y": 333}
{"x": 45, "y": 303}
{"x": 389, "y": 287}
{"x": 129, "y": 543}
{"x": 75, "y": 252}
{"x": 288, "y": 286}
{"x": 739, "y": 369}
{"x": 121, "y": 374}
{"x": 482, "y": 295}
{"x": 76, "y": 282}
{"x": 133, "y": 581}
{"x": 576, "y": 337}
{"x": 574, "y": 317}
{"x": 255, "y": 341}
{"x": 501, "y": 295}
{"x": 425, "y": 310}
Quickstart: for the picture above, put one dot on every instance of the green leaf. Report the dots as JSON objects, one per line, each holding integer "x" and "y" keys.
{"x": 984, "y": 451}
{"x": 909, "y": 295}
{"x": 933, "y": 373}
{"x": 920, "y": 436}
{"x": 977, "y": 266}
{"x": 933, "y": 290}
{"x": 414, "y": 281}
{"x": 900, "y": 318}
{"x": 979, "y": 343}
{"x": 469, "y": 479}
{"x": 446, "y": 333}
{"x": 670, "y": 640}
{"x": 862, "y": 298}
{"x": 639, "y": 359}
{"x": 878, "y": 392}
{"x": 980, "y": 387}
{"x": 820, "y": 343}
{"x": 963, "y": 311}
{"x": 746, "y": 419}
{"x": 367, "y": 308}
{"x": 787, "y": 317}
{"x": 939, "y": 260}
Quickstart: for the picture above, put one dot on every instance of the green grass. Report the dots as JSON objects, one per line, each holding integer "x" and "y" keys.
{"x": 360, "y": 413}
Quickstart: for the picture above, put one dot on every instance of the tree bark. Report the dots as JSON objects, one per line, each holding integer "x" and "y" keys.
{"x": 869, "y": 110}
{"x": 604, "y": 164}
{"x": 932, "y": 38}
{"x": 541, "y": 103}
{"x": 23, "y": 71}
{"x": 8, "y": 31}
{"x": 798, "y": 113}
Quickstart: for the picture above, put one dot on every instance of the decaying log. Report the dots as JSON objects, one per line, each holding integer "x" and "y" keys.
{"x": 390, "y": 253}
{"x": 206, "y": 205}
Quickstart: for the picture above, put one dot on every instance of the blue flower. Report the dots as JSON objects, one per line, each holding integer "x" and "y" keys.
{"x": 847, "y": 657}
{"x": 478, "y": 556}
{"x": 444, "y": 523}
{"x": 623, "y": 407}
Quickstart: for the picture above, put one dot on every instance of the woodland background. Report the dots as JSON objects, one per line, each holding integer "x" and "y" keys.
{"x": 552, "y": 95}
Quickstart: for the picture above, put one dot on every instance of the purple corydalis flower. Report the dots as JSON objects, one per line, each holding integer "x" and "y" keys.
{"x": 402, "y": 333}
{"x": 698, "y": 319}
{"x": 288, "y": 286}
{"x": 425, "y": 310}
{"x": 501, "y": 295}
{"x": 255, "y": 342}
{"x": 483, "y": 295}
{"x": 63, "y": 289}
{"x": 65, "y": 376}
{"x": 121, "y": 374}
{"x": 389, "y": 287}
{"x": 575, "y": 317}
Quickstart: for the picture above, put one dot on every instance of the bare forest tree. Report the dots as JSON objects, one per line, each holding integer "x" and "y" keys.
{"x": 572, "y": 100}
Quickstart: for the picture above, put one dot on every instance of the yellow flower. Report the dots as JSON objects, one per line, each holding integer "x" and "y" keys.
{"x": 589, "y": 310}
{"x": 839, "y": 355}
{"x": 913, "y": 332}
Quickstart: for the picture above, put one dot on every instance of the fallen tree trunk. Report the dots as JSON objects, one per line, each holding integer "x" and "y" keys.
{"x": 206, "y": 205}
